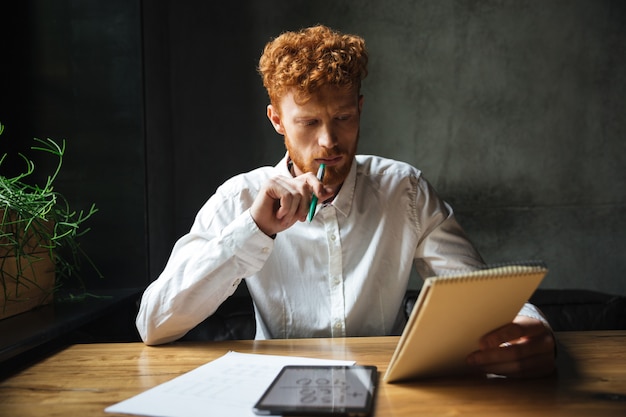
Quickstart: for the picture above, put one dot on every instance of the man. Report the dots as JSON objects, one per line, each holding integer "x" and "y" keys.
{"x": 345, "y": 272}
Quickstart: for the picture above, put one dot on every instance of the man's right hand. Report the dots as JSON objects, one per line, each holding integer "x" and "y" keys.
{"x": 283, "y": 201}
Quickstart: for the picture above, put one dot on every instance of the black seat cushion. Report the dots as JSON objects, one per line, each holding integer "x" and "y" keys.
{"x": 571, "y": 310}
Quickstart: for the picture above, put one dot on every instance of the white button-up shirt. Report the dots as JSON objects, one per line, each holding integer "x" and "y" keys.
{"x": 343, "y": 274}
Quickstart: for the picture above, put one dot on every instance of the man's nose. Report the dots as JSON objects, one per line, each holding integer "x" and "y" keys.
{"x": 327, "y": 138}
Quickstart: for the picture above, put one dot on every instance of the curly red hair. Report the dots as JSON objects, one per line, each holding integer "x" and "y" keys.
{"x": 310, "y": 59}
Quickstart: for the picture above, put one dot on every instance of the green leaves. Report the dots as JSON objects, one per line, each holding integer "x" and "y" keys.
{"x": 38, "y": 218}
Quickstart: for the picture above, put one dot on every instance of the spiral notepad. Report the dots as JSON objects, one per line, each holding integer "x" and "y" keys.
{"x": 454, "y": 311}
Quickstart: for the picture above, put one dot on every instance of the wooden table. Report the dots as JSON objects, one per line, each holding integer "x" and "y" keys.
{"x": 82, "y": 380}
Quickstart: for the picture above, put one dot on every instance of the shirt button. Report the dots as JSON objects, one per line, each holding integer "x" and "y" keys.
{"x": 265, "y": 250}
{"x": 236, "y": 283}
{"x": 333, "y": 237}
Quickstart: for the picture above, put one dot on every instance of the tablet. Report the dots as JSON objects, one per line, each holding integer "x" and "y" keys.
{"x": 320, "y": 390}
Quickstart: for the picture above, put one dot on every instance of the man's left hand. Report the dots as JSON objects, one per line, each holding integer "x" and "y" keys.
{"x": 524, "y": 348}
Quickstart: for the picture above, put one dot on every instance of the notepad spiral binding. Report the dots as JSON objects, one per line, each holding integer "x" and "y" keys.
{"x": 528, "y": 262}
{"x": 509, "y": 269}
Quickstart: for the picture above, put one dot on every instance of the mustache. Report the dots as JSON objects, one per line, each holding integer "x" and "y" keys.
{"x": 331, "y": 153}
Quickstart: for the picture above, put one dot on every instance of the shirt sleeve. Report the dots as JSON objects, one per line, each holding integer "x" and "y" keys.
{"x": 204, "y": 268}
{"x": 442, "y": 245}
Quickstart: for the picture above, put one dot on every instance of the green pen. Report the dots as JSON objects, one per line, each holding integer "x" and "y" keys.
{"x": 320, "y": 176}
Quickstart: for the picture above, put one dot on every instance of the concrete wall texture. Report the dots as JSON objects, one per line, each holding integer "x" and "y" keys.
{"x": 514, "y": 110}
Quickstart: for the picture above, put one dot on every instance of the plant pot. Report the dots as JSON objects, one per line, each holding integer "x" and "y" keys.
{"x": 27, "y": 273}
{"x": 20, "y": 235}
{"x": 37, "y": 223}
{"x": 25, "y": 282}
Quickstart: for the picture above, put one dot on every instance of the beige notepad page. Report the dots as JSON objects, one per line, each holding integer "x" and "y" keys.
{"x": 453, "y": 312}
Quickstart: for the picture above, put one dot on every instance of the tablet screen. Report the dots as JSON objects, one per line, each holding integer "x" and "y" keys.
{"x": 320, "y": 390}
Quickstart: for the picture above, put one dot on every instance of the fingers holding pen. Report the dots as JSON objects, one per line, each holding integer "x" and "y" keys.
{"x": 292, "y": 205}
{"x": 298, "y": 193}
{"x": 283, "y": 201}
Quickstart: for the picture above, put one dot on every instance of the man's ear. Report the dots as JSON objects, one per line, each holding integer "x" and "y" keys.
{"x": 274, "y": 116}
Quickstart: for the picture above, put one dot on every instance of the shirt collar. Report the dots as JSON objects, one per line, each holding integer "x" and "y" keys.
{"x": 345, "y": 197}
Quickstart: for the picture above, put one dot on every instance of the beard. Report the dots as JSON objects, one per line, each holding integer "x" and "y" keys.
{"x": 333, "y": 175}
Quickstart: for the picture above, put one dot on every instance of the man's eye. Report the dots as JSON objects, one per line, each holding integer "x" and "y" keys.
{"x": 309, "y": 122}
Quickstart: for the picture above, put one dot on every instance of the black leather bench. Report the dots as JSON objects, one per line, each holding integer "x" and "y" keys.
{"x": 566, "y": 310}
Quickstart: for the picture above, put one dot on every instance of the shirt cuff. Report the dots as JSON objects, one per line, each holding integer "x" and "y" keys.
{"x": 247, "y": 241}
{"x": 530, "y": 310}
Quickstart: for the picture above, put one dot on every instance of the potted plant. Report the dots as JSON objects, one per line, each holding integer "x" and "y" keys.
{"x": 39, "y": 236}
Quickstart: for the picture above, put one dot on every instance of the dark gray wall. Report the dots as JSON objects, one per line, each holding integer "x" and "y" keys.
{"x": 513, "y": 109}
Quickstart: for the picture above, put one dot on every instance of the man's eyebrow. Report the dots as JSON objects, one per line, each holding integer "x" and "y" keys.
{"x": 304, "y": 117}
{"x": 347, "y": 106}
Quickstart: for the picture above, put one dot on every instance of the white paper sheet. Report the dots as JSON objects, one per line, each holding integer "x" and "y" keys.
{"x": 227, "y": 386}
